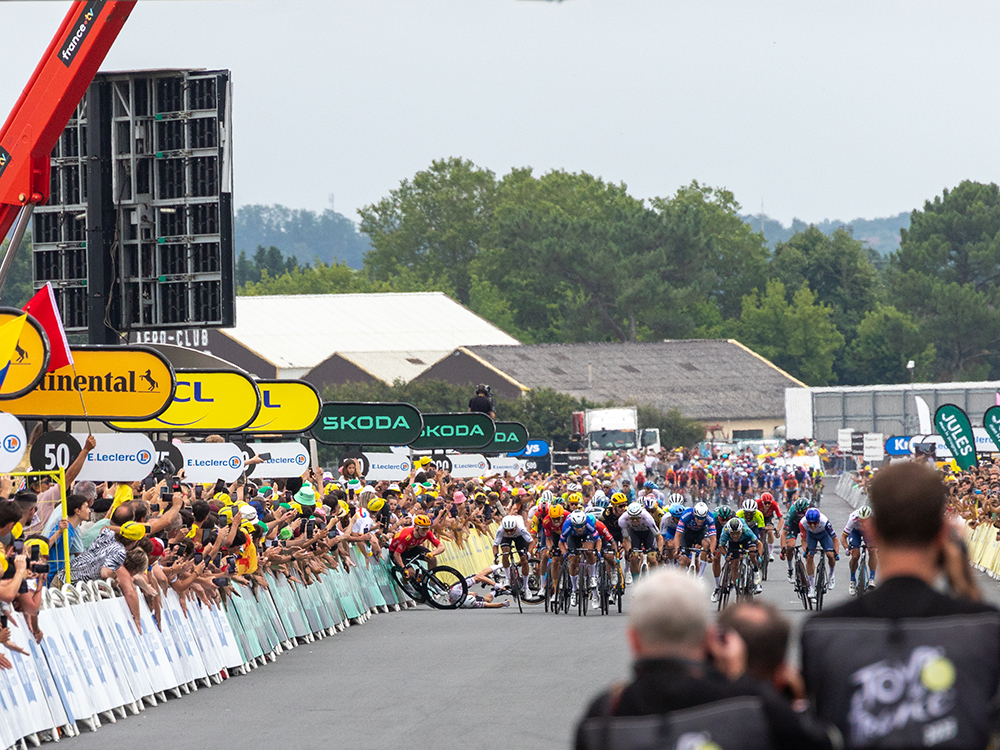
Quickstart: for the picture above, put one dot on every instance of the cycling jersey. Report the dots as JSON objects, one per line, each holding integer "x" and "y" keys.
{"x": 610, "y": 520}
{"x": 505, "y": 537}
{"x": 747, "y": 537}
{"x": 406, "y": 539}
{"x": 668, "y": 526}
{"x": 589, "y": 530}
{"x": 820, "y": 535}
{"x": 639, "y": 523}
{"x": 551, "y": 528}
{"x": 769, "y": 509}
{"x": 755, "y": 522}
{"x": 853, "y": 531}
{"x": 603, "y": 532}
{"x": 688, "y": 521}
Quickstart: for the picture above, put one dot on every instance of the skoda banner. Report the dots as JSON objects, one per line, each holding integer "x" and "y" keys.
{"x": 208, "y": 462}
{"x": 12, "y": 442}
{"x": 281, "y": 460}
{"x": 205, "y": 401}
{"x": 991, "y": 423}
{"x": 457, "y": 432}
{"x": 286, "y": 406}
{"x": 955, "y": 429}
{"x": 129, "y": 383}
{"x": 117, "y": 458}
{"x": 391, "y": 467}
{"x": 31, "y": 356}
{"x": 355, "y": 423}
{"x": 510, "y": 437}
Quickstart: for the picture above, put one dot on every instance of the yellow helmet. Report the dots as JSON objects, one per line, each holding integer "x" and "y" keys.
{"x": 575, "y": 498}
{"x": 422, "y": 520}
{"x": 619, "y": 499}
{"x": 557, "y": 511}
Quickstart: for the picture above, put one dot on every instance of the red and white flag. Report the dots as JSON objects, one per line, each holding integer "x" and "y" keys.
{"x": 43, "y": 307}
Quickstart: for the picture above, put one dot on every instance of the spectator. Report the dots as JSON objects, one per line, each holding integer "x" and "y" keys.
{"x": 683, "y": 663}
{"x": 906, "y": 665}
{"x": 48, "y": 492}
{"x": 78, "y": 508}
{"x": 482, "y": 402}
{"x": 765, "y": 633}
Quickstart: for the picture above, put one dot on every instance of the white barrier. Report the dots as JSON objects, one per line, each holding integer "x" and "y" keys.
{"x": 94, "y": 666}
{"x": 849, "y": 489}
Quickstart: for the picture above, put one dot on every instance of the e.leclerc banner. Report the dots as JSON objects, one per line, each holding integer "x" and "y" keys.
{"x": 991, "y": 423}
{"x": 356, "y": 423}
{"x": 510, "y": 437}
{"x": 955, "y": 429}
{"x": 460, "y": 431}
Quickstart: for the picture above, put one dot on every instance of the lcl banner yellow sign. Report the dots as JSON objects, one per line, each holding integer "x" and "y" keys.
{"x": 286, "y": 406}
{"x": 115, "y": 382}
{"x": 205, "y": 401}
{"x": 31, "y": 356}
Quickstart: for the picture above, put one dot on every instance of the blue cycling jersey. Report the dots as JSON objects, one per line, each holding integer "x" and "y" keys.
{"x": 688, "y": 521}
{"x": 587, "y": 532}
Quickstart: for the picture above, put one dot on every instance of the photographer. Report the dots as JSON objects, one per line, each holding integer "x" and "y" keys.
{"x": 482, "y": 402}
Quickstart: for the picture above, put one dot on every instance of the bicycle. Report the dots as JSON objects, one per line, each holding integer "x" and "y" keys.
{"x": 745, "y": 585}
{"x": 766, "y": 557}
{"x": 583, "y": 592}
{"x": 801, "y": 580}
{"x": 724, "y": 583}
{"x": 864, "y": 573}
{"x": 442, "y": 587}
{"x": 694, "y": 556}
{"x": 821, "y": 581}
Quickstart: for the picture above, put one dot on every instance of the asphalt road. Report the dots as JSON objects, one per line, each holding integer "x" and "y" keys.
{"x": 480, "y": 679}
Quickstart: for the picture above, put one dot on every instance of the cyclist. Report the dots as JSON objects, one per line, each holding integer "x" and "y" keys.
{"x": 608, "y": 549}
{"x": 790, "y": 533}
{"x": 640, "y": 535}
{"x": 512, "y": 531}
{"x": 654, "y": 492}
{"x": 579, "y": 531}
{"x": 668, "y": 527}
{"x": 610, "y": 517}
{"x": 817, "y": 531}
{"x": 791, "y": 488}
{"x": 722, "y": 516}
{"x": 653, "y": 508}
{"x": 408, "y": 543}
{"x": 478, "y": 601}
{"x": 769, "y": 508}
{"x": 738, "y": 538}
{"x": 854, "y": 536}
{"x": 551, "y": 529}
{"x": 753, "y": 517}
{"x": 695, "y": 530}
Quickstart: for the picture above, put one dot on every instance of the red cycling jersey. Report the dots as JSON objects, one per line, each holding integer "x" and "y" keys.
{"x": 602, "y": 530}
{"x": 552, "y": 533}
{"x": 405, "y": 539}
{"x": 769, "y": 508}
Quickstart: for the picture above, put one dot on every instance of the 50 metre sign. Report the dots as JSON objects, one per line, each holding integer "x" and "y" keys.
{"x": 355, "y": 423}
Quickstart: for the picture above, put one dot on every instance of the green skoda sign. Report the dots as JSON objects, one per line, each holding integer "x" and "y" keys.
{"x": 457, "y": 432}
{"x": 354, "y": 423}
{"x": 955, "y": 429}
{"x": 510, "y": 437}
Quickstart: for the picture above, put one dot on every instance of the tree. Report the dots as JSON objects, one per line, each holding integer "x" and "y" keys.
{"x": 18, "y": 288}
{"x": 327, "y": 235}
{"x": 886, "y": 340}
{"x": 798, "y": 337}
{"x": 323, "y": 279}
{"x": 431, "y": 226}
{"x": 676, "y": 430}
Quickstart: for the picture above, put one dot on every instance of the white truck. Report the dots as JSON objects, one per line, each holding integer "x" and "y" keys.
{"x": 606, "y": 430}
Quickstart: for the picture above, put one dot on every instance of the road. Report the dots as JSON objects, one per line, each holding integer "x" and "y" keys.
{"x": 479, "y": 679}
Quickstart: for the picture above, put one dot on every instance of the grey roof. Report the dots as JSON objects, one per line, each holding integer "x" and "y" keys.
{"x": 705, "y": 379}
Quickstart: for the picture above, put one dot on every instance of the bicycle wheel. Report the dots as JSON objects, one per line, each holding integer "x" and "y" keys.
{"x": 724, "y": 585}
{"x": 410, "y": 588}
{"x": 820, "y": 582}
{"x": 516, "y": 586}
{"x": 582, "y": 588}
{"x": 620, "y": 586}
{"x": 764, "y": 560}
{"x": 802, "y": 583}
{"x": 604, "y": 586}
{"x": 446, "y": 587}
{"x": 565, "y": 588}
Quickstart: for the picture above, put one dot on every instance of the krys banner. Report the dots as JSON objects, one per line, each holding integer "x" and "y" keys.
{"x": 115, "y": 382}
{"x": 955, "y": 429}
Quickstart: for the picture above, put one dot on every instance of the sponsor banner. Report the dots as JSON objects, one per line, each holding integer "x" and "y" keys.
{"x": 286, "y": 406}
{"x": 209, "y": 462}
{"x": 500, "y": 465}
{"x": 205, "y": 401}
{"x": 12, "y": 442}
{"x": 954, "y": 427}
{"x": 117, "y": 458}
{"x": 457, "y": 432}
{"x": 286, "y": 460}
{"x": 390, "y": 467}
{"x": 874, "y": 449}
{"x": 128, "y": 383}
{"x": 465, "y": 466}
{"x": 991, "y": 426}
{"x": 541, "y": 464}
{"x": 844, "y": 440}
{"x": 534, "y": 449}
{"x": 510, "y": 437}
{"x": 898, "y": 446}
{"x": 31, "y": 356}
{"x": 356, "y": 423}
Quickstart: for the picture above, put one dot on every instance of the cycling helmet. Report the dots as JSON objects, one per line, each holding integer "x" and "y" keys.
{"x": 634, "y": 510}
{"x": 864, "y": 511}
{"x": 650, "y": 486}
{"x": 600, "y": 502}
{"x": 509, "y": 523}
{"x": 578, "y": 519}
{"x": 422, "y": 520}
{"x": 619, "y": 498}
{"x": 557, "y": 511}
{"x": 812, "y": 515}
{"x": 801, "y": 505}
{"x": 677, "y": 510}
{"x": 700, "y": 510}
{"x": 575, "y": 498}
{"x": 545, "y": 497}
{"x": 767, "y": 497}
{"x": 649, "y": 501}
{"x": 734, "y": 526}
{"x": 723, "y": 512}
{"x": 677, "y": 498}
{"x": 750, "y": 506}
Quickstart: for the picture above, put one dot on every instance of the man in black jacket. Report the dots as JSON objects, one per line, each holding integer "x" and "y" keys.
{"x": 687, "y": 690}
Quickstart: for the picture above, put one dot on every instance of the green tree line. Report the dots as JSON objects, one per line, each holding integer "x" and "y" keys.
{"x": 568, "y": 257}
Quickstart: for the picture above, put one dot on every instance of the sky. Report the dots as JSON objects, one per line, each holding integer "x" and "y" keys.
{"x": 812, "y": 110}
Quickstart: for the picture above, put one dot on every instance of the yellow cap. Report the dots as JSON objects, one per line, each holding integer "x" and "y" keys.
{"x": 133, "y": 531}
{"x": 374, "y": 506}
{"x": 43, "y": 546}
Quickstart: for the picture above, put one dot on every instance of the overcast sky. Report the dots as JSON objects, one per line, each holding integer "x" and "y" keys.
{"x": 820, "y": 110}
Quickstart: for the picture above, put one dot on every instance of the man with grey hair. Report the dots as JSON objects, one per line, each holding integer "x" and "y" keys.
{"x": 87, "y": 489}
{"x": 688, "y": 689}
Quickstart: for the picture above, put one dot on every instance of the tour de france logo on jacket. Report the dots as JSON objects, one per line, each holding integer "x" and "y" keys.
{"x": 911, "y": 682}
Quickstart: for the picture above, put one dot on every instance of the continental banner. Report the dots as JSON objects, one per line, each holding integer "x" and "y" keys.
{"x": 31, "y": 356}
{"x": 205, "y": 401}
{"x": 286, "y": 406}
{"x": 955, "y": 429}
{"x": 115, "y": 382}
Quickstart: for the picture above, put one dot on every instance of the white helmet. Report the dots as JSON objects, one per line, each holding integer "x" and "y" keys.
{"x": 578, "y": 519}
{"x": 545, "y": 497}
{"x": 677, "y": 498}
{"x": 749, "y": 506}
{"x": 634, "y": 510}
{"x": 700, "y": 510}
{"x": 509, "y": 523}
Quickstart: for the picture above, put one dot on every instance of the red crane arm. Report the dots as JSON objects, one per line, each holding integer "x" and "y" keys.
{"x": 52, "y": 93}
